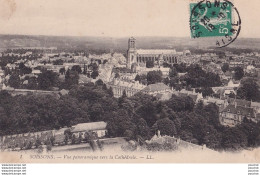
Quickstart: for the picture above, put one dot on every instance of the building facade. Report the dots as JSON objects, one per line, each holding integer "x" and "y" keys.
{"x": 158, "y": 56}
{"x": 234, "y": 114}
{"x": 130, "y": 87}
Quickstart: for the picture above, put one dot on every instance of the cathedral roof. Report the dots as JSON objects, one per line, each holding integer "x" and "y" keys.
{"x": 156, "y": 51}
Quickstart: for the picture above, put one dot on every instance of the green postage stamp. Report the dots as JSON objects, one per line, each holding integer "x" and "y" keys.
{"x": 215, "y": 18}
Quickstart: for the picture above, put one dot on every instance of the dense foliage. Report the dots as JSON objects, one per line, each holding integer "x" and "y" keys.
{"x": 249, "y": 90}
{"x": 139, "y": 116}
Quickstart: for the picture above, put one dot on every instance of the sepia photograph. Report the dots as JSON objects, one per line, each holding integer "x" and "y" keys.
{"x": 129, "y": 81}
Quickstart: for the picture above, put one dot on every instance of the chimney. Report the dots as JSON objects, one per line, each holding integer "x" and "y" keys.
{"x": 235, "y": 104}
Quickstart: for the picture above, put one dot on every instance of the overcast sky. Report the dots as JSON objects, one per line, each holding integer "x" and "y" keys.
{"x": 115, "y": 18}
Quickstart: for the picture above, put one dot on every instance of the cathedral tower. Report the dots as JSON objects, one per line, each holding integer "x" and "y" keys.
{"x": 131, "y": 52}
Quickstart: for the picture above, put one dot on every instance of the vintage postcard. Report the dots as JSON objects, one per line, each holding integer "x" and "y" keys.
{"x": 129, "y": 81}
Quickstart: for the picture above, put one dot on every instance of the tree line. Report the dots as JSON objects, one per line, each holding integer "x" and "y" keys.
{"x": 139, "y": 116}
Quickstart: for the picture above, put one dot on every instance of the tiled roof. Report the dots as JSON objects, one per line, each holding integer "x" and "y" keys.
{"x": 89, "y": 126}
{"x": 214, "y": 100}
{"x": 193, "y": 96}
{"x": 164, "y": 96}
{"x": 240, "y": 110}
{"x": 240, "y": 102}
{"x": 127, "y": 84}
{"x": 156, "y": 87}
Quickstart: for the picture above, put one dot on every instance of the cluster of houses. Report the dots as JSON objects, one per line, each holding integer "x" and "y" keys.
{"x": 237, "y": 110}
{"x": 231, "y": 113}
{"x": 176, "y": 143}
{"x": 96, "y": 130}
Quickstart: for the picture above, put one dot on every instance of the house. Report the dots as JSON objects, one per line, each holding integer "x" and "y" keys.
{"x": 164, "y": 96}
{"x": 130, "y": 87}
{"x": 158, "y": 88}
{"x": 239, "y": 102}
{"x": 234, "y": 114}
{"x": 95, "y": 127}
{"x": 255, "y": 106}
{"x": 233, "y": 84}
{"x": 222, "y": 104}
{"x": 176, "y": 143}
{"x": 144, "y": 70}
{"x": 59, "y": 136}
{"x": 196, "y": 97}
{"x": 36, "y": 72}
{"x": 233, "y": 64}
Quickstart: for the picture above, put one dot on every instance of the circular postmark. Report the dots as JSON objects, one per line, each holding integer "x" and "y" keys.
{"x": 219, "y": 19}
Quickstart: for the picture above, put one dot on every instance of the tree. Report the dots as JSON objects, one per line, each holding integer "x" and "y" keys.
{"x": 105, "y": 61}
{"x": 239, "y": 73}
{"x": 137, "y": 78}
{"x": 206, "y": 91}
{"x": 120, "y": 125}
{"x": 143, "y": 129}
{"x": 251, "y": 130}
{"x": 37, "y": 142}
{"x": 141, "y": 78}
{"x": 73, "y": 139}
{"x": 85, "y": 69}
{"x": 234, "y": 138}
{"x": 32, "y": 83}
{"x": 71, "y": 78}
{"x": 110, "y": 92}
{"x": 58, "y": 62}
{"x": 249, "y": 90}
{"x": 4, "y": 120}
{"x": 76, "y": 68}
{"x": 188, "y": 136}
{"x": 154, "y": 77}
{"x": 165, "y": 126}
{"x": 14, "y": 81}
{"x": 47, "y": 79}
{"x": 62, "y": 71}
{"x": 94, "y": 74}
{"x": 173, "y": 72}
{"x": 225, "y": 67}
{"x": 149, "y": 64}
{"x": 173, "y": 82}
{"x": 99, "y": 82}
{"x": 212, "y": 138}
{"x": 117, "y": 75}
{"x": 24, "y": 69}
{"x": 178, "y": 104}
{"x": 124, "y": 94}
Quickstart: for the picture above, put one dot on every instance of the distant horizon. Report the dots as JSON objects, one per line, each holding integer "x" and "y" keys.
{"x": 97, "y": 36}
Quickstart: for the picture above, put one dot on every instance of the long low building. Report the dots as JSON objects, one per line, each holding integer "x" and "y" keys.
{"x": 96, "y": 127}
{"x": 15, "y": 92}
